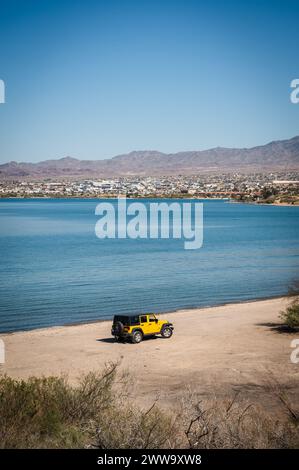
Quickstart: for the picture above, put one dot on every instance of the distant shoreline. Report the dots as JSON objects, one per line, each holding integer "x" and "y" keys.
{"x": 118, "y": 197}
{"x": 187, "y": 197}
{"x": 254, "y": 203}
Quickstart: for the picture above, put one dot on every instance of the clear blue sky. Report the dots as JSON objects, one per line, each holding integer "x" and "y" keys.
{"x": 93, "y": 79}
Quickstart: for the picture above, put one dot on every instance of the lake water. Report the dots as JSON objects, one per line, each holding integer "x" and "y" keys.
{"x": 55, "y": 271}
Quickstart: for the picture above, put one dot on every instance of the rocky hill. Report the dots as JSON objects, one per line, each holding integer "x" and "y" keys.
{"x": 277, "y": 155}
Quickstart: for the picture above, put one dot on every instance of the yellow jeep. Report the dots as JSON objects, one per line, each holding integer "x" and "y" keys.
{"x": 136, "y": 327}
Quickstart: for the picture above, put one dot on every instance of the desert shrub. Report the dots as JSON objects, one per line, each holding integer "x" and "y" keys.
{"x": 291, "y": 315}
{"x": 236, "y": 424}
{"x": 50, "y": 413}
{"x": 35, "y": 413}
{"x": 133, "y": 428}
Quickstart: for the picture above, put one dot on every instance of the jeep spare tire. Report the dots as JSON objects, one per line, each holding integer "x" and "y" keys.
{"x": 118, "y": 328}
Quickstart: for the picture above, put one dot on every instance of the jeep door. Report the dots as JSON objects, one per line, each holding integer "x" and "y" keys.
{"x": 145, "y": 325}
{"x": 153, "y": 322}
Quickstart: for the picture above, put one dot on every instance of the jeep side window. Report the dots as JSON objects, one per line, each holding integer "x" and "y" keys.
{"x": 152, "y": 318}
{"x": 143, "y": 319}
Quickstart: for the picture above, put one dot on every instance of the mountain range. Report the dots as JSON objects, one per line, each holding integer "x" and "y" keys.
{"x": 276, "y": 155}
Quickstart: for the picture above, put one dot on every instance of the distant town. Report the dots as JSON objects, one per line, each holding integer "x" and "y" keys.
{"x": 279, "y": 187}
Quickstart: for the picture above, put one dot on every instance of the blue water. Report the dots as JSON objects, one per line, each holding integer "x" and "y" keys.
{"x": 54, "y": 270}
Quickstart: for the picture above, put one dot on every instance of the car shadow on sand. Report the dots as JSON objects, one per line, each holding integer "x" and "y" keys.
{"x": 112, "y": 340}
{"x": 106, "y": 340}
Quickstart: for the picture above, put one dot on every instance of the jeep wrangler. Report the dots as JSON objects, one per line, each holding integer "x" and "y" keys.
{"x": 136, "y": 327}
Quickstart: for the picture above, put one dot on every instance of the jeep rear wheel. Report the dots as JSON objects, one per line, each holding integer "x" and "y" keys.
{"x": 166, "y": 332}
{"x": 137, "y": 337}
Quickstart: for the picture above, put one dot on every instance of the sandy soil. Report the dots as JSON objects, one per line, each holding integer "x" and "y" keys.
{"x": 215, "y": 351}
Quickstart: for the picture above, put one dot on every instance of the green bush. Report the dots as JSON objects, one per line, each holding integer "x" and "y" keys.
{"x": 291, "y": 315}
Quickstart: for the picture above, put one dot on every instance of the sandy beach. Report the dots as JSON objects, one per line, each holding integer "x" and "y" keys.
{"x": 215, "y": 351}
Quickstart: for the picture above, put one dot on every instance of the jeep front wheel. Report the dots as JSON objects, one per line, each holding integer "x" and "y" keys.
{"x": 137, "y": 337}
{"x": 166, "y": 332}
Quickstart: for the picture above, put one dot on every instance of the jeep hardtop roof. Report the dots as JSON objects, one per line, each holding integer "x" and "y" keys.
{"x": 129, "y": 319}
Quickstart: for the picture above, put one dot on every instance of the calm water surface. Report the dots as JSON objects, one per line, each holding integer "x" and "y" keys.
{"x": 55, "y": 271}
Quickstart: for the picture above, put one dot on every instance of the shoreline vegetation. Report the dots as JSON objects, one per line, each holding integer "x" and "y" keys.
{"x": 228, "y": 381}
